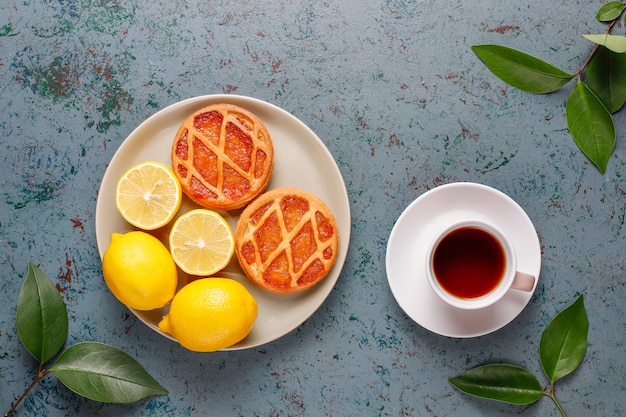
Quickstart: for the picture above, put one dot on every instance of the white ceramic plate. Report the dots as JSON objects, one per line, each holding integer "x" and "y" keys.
{"x": 415, "y": 229}
{"x": 300, "y": 160}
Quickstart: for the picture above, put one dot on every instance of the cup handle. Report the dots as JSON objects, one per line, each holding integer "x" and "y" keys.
{"x": 523, "y": 282}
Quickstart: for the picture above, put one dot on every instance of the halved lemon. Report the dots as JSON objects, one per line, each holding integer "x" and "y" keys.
{"x": 201, "y": 242}
{"x": 148, "y": 195}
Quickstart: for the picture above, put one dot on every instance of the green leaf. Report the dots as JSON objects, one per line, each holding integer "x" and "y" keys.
{"x": 615, "y": 43}
{"x": 500, "y": 382}
{"x": 521, "y": 70}
{"x": 103, "y": 373}
{"x": 591, "y": 125}
{"x": 610, "y": 11}
{"x": 564, "y": 341}
{"x": 41, "y": 318}
{"x": 606, "y": 77}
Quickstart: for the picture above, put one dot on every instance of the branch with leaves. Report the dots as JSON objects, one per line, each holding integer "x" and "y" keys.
{"x": 91, "y": 369}
{"x": 561, "y": 349}
{"x": 600, "y": 89}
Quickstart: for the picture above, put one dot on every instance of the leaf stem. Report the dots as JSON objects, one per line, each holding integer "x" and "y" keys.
{"x": 579, "y": 73}
{"x": 41, "y": 373}
{"x": 552, "y": 395}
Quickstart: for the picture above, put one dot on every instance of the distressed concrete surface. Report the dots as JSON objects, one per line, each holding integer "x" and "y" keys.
{"x": 396, "y": 94}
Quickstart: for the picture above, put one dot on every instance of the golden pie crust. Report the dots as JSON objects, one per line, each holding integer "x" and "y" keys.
{"x": 286, "y": 240}
{"x": 223, "y": 156}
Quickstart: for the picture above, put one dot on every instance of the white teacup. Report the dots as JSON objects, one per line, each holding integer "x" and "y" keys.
{"x": 471, "y": 264}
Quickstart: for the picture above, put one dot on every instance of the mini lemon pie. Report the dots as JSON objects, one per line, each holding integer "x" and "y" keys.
{"x": 286, "y": 240}
{"x": 223, "y": 156}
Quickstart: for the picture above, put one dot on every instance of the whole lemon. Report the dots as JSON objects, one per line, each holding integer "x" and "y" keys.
{"x": 210, "y": 314}
{"x": 139, "y": 270}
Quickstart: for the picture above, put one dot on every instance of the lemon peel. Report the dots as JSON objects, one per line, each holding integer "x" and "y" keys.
{"x": 210, "y": 314}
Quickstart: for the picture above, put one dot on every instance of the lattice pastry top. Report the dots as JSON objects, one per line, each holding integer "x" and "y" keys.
{"x": 223, "y": 156}
{"x": 286, "y": 240}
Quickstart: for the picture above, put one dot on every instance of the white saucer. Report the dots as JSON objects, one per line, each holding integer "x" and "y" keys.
{"x": 417, "y": 226}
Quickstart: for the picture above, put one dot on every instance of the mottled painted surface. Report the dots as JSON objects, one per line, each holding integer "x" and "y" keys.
{"x": 401, "y": 102}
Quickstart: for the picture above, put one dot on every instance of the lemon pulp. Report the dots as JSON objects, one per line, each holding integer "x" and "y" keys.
{"x": 201, "y": 242}
{"x": 148, "y": 195}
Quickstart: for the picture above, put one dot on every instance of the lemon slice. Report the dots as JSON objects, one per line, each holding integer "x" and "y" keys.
{"x": 201, "y": 242}
{"x": 148, "y": 195}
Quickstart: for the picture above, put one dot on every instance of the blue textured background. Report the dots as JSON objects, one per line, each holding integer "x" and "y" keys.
{"x": 400, "y": 100}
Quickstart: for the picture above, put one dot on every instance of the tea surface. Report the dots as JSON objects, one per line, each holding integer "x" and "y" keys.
{"x": 469, "y": 262}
